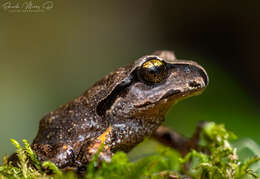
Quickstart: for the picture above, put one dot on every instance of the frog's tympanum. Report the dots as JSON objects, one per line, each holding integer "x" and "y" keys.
{"x": 118, "y": 111}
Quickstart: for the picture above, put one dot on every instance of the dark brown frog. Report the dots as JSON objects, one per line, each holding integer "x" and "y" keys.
{"x": 120, "y": 110}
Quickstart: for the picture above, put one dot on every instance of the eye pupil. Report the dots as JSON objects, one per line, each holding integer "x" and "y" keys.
{"x": 153, "y": 71}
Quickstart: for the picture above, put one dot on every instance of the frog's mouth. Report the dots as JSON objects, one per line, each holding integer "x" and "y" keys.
{"x": 177, "y": 94}
{"x": 171, "y": 93}
{"x": 173, "y": 96}
{"x": 197, "y": 89}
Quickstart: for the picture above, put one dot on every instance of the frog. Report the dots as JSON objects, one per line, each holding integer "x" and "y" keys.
{"x": 120, "y": 111}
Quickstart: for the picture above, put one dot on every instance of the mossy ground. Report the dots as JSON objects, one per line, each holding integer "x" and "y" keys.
{"x": 219, "y": 160}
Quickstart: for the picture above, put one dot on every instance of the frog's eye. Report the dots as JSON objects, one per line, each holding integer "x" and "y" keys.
{"x": 153, "y": 71}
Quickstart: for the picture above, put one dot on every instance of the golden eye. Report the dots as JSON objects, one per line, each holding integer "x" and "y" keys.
{"x": 153, "y": 71}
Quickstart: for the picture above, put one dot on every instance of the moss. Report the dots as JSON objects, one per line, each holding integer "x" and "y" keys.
{"x": 218, "y": 160}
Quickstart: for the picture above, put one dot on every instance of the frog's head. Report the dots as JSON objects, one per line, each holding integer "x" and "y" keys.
{"x": 151, "y": 85}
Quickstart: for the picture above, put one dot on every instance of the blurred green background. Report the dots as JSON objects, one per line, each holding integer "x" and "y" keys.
{"x": 48, "y": 58}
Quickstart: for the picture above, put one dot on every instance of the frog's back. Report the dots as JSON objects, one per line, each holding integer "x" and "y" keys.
{"x": 59, "y": 124}
{"x": 64, "y": 131}
{"x": 75, "y": 124}
{"x": 78, "y": 119}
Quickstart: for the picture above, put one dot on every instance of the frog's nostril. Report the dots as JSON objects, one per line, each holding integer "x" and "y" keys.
{"x": 194, "y": 84}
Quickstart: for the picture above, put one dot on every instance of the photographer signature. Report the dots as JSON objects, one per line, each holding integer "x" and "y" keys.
{"x": 28, "y": 6}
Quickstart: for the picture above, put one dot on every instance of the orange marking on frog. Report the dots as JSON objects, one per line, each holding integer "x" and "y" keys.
{"x": 99, "y": 141}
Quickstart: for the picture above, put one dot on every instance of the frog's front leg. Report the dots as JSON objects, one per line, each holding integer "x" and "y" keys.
{"x": 61, "y": 154}
{"x": 175, "y": 140}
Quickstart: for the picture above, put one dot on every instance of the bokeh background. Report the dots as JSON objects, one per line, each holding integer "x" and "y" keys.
{"x": 48, "y": 58}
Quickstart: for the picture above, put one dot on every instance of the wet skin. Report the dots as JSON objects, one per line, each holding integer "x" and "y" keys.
{"x": 120, "y": 110}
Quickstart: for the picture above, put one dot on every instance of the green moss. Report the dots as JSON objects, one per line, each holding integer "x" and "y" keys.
{"x": 222, "y": 160}
{"x": 219, "y": 160}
